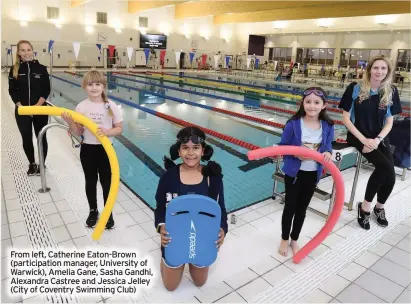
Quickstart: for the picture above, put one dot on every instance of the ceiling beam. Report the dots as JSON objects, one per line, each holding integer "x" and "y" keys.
{"x": 335, "y": 10}
{"x": 205, "y": 8}
{"x": 139, "y": 6}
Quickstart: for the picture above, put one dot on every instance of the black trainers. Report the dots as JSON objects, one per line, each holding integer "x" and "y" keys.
{"x": 380, "y": 216}
{"x": 92, "y": 218}
{"x": 32, "y": 169}
{"x": 110, "y": 222}
{"x": 363, "y": 217}
{"x": 38, "y": 170}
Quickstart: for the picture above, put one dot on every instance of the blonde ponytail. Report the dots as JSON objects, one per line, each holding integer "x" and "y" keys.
{"x": 16, "y": 65}
{"x": 105, "y": 99}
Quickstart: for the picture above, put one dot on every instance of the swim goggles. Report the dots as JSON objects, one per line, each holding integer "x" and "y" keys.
{"x": 194, "y": 139}
{"x": 315, "y": 91}
{"x": 73, "y": 143}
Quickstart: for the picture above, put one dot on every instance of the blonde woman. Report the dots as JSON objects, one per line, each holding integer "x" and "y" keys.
{"x": 29, "y": 85}
{"x": 93, "y": 157}
{"x": 368, "y": 110}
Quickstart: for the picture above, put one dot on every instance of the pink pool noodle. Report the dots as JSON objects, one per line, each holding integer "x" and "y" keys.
{"x": 339, "y": 190}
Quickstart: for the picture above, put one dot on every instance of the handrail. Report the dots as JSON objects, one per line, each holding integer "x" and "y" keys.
{"x": 61, "y": 124}
{"x": 44, "y": 187}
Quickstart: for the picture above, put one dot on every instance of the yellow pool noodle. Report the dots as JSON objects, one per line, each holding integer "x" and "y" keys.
{"x": 115, "y": 169}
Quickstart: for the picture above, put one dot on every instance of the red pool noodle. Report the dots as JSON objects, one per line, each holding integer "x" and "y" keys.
{"x": 339, "y": 190}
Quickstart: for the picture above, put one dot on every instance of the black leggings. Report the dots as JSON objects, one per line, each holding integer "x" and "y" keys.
{"x": 382, "y": 180}
{"x": 298, "y": 194}
{"x": 25, "y": 123}
{"x": 96, "y": 165}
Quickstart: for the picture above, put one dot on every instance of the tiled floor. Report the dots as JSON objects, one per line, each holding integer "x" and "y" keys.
{"x": 248, "y": 264}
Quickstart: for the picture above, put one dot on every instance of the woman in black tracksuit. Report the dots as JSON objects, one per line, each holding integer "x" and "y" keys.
{"x": 29, "y": 85}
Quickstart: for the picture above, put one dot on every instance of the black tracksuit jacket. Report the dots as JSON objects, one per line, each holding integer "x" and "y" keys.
{"x": 32, "y": 83}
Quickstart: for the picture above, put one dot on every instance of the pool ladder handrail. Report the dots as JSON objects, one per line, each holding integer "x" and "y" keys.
{"x": 60, "y": 124}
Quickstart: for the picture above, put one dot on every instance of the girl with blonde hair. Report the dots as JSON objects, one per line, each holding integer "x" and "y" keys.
{"x": 94, "y": 159}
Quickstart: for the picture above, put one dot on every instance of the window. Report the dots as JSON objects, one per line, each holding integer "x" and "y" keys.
{"x": 143, "y": 22}
{"x": 317, "y": 56}
{"x": 359, "y": 57}
{"x": 289, "y": 53}
{"x": 101, "y": 18}
{"x": 403, "y": 60}
{"x": 53, "y": 12}
{"x": 281, "y": 54}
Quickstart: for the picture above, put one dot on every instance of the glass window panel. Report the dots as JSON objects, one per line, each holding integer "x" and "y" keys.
{"x": 277, "y": 53}
{"x": 283, "y": 54}
{"x": 374, "y": 53}
{"x": 344, "y": 57}
{"x": 386, "y": 53}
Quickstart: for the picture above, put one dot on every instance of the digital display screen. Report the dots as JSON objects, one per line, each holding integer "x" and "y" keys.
{"x": 256, "y": 45}
{"x": 154, "y": 41}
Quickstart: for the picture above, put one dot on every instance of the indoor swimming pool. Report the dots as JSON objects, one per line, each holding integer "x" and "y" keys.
{"x": 146, "y": 137}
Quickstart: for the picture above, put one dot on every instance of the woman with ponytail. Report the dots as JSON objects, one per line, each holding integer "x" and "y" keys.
{"x": 189, "y": 177}
{"x": 29, "y": 85}
{"x": 94, "y": 160}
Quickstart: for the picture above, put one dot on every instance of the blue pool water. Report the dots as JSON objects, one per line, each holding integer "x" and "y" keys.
{"x": 146, "y": 138}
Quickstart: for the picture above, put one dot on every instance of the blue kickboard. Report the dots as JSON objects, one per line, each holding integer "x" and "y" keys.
{"x": 193, "y": 223}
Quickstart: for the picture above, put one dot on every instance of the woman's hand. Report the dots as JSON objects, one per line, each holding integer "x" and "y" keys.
{"x": 367, "y": 150}
{"x": 165, "y": 239}
{"x": 327, "y": 156}
{"x": 370, "y": 143}
{"x": 18, "y": 104}
{"x": 221, "y": 237}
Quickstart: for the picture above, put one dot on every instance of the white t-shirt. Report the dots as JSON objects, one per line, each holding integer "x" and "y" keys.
{"x": 98, "y": 113}
{"x": 310, "y": 139}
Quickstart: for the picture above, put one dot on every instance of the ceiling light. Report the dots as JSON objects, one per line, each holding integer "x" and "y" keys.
{"x": 118, "y": 30}
{"x": 58, "y": 25}
{"x": 325, "y": 22}
{"x": 279, "y": 24}
{"x": 23, "y": 23}
{"x": 89, "y": 29}
{"x": 385, "y": 19}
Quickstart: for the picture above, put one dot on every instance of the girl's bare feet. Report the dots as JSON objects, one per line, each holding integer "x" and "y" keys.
{"x": 294, "y": 246}
{"x": 283, "y": 250}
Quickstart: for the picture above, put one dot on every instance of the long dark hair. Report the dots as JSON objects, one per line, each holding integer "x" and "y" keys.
{"x": 323, "y": 114}
{"x": 212, "y": 168}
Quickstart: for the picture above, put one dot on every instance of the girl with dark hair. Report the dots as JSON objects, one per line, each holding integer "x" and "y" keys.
{"x": 189, "y": 177}
{"x": 310, "y": 127}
